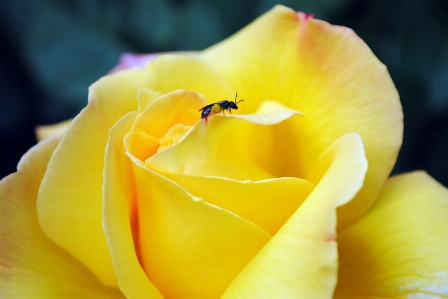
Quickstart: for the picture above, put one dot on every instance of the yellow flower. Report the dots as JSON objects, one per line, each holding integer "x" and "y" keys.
{"x": 141, "y": 198}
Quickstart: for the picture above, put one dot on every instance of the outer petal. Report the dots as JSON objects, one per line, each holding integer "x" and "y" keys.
{"x": 130, "y": 60}
{"x": 119, "y": 214}
{"x": 58, "y": 129}
{"x": 399, "y": 249}
{"x": 32, "y": 266}
{"x": 329, "y": 74}
{"x": 70, "y": 198}
{"x": 170, "y": 72}
{"x": 300, "y": 261}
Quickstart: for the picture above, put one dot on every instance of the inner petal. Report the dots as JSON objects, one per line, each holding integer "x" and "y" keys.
{"x": 266, "y": 203}
{"x": 180, "y": 106}
{"x": 173, "y": 136}
{"x": 141, "y": 145}
{"x": 235, "y": 146}
{"x": 189, "y": 248}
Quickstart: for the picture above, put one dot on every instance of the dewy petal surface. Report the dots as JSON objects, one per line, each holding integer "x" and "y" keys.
{"x": 32, "y": 266}
{"x": 399, "y": 249}
{"x": 120, "y": 215}
{"x": 300, "y": 261}
{"x": 331, "y": 76}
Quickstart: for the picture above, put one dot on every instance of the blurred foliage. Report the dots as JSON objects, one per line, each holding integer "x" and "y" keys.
{"x": 52, "y": 50}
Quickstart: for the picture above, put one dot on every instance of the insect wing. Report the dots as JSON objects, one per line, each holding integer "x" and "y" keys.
{"x": 222, "y": 104}
{"x": 205, "y": 107}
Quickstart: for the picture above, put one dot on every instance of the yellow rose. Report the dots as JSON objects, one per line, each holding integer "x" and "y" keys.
{"x": 141, "y": 198}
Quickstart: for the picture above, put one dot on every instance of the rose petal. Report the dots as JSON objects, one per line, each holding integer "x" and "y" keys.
{"x": 329, "y": 74}
{"x": 32, "y": 266}
{"x": 145, "y": 96}
{"x": 180, "y": 106}
{"x": 130, "y": 60}
{"x": 269, "y": 113}
{"x": 171, "y": 72}
{"x": 268, "y": 203}
{"x": 158, "y": 117}
{"x": 70, "y": 213}
{"x": 189, "y": 249}
{"x": 141, "y": 145}
{"x": 266, "y": 119}
{"x": 119, "y": 213}
{"x": 300, "y": 261}
{"x": 70, "y": 198}
{"x": 399, "y": 249}
{"x": 228, "y": 147}
{"x": 58, "y": 129}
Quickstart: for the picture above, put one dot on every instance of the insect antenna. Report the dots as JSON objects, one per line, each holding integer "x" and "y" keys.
{"x": 236, "y": 95}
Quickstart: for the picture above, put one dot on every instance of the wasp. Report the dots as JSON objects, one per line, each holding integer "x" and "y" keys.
{"x": 218, "y": 107}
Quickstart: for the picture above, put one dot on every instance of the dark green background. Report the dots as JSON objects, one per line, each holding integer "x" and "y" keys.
{"x": 51, "y": 51}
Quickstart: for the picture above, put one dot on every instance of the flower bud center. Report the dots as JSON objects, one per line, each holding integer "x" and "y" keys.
{"x": 173, "y": 136}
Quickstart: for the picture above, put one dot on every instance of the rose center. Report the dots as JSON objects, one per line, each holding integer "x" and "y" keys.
{"x": 173, "y": 136}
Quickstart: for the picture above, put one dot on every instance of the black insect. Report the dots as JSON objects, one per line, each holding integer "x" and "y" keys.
{"x": 218, "y": 107}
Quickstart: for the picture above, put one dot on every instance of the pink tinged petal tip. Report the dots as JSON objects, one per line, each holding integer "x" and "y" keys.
{"x": 129, "y": 60}
{"x": 305, "y": 16}
{"x": 301, "y": 16}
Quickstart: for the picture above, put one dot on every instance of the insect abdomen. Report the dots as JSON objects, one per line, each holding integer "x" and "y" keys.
{"x": 212, "y": 109}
